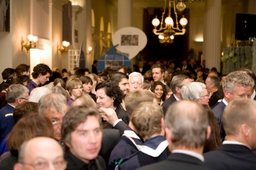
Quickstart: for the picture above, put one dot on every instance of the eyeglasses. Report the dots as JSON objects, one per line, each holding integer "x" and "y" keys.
{"x": 206, "y": 96}
{"x": 40, "y": 165}
{"x": 78, "y": 88}
{"x": 23, "y": 98}
{"x": 55, "y": 122}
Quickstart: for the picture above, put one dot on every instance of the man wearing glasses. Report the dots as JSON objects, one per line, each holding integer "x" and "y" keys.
{"x": 54, "y": 106}
{"x": 40, "y": 153}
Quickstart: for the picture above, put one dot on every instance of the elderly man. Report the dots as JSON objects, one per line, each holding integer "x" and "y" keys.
{"x": 82, "y": 134}
{"x": 237, "y": 84}
{"x": 177, "y": 82}
{"x": 16, "y": 95}
{"x": 186, "y": 131}
{"x": 40, "y": 153}
{"x": 239, "y": 120}
{"x": 54, "y": 106}
{"x": 136, "y": 81}
{"x": 195, "y": 91}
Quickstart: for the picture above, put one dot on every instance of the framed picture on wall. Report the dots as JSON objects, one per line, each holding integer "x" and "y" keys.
{"x": 5, "y": 15}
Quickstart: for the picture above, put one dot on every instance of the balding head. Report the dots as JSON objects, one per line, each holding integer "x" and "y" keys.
{"x": 41, "y": 152}
{"x": 186, "y": 127}
{"x": 239, "y": 121}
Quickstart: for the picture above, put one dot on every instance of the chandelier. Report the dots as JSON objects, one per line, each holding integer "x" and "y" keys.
{"x": 168, "y": 28}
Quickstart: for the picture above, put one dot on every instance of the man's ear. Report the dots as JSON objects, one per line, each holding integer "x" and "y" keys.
{"x": 245, "y": 130}
{"x": 162, "y": 123}
{"x": 208, "y": 133}
{"x": 17, "y": 166}
{"x": 68, "y": 145}
{"x": 226, "y": 93}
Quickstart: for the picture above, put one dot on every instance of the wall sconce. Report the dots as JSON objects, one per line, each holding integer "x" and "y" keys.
{"x": 63, "y": 47}
{"x": 31, "y": 42}
{"x": 89, "y": 50}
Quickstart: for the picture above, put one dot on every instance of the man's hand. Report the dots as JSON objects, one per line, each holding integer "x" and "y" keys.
{"x": 109, "y": 115}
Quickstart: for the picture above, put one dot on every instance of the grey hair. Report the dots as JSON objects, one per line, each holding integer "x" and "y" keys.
{"x": 187, "y": 122}
{"x": 136, "y": 74}
{"x": 237, "y": 78}
{"x": 37, "y": 93}
{"x": 192, "y": 91}
{"x": 16, "y": 91}
{"x": 177, "y": 82}
{"x": 53, "y": 101}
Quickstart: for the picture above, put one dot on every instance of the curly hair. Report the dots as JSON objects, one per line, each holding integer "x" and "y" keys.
{"x": 112, "y": 90}
{"x": 41, "y": 69}
{"x": 153, "y": 87}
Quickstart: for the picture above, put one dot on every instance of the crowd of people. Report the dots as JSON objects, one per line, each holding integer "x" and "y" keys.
{"x": 157, "y": 116}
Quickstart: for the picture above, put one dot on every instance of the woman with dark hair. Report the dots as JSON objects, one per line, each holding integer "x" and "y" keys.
{"x": 28, "y": 127}
{"x": 160, "y": 91}
{"x": 214, "y": 141}
{"x": 109, "y": 95}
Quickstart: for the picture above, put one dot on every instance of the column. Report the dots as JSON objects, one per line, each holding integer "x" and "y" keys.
{"x": 124, "y": 13}
{"x": 212, "y": 33}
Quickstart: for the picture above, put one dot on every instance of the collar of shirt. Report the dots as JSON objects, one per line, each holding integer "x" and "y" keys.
{"x": 176, "y": 97}
{"x": 235, "y": 143}
{"x": 224, "y": 101}
{"x": 11, "y": 105}
{"x": 190, "y": 153}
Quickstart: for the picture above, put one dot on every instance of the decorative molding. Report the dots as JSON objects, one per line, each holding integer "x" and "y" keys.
{"x": 58, "y": 3}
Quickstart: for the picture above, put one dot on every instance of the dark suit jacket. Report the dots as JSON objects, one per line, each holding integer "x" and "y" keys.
{"x": 177, "y": 161}
{"x": 215, "y": 97}
{"x": 73, "y": 163}
{"x": 217, "y": 111}
{"x": 168, "y": 102}
{"x": 109, "y": 140}
{"x": 231, "y": 157}
{"x": 6, "y": 121}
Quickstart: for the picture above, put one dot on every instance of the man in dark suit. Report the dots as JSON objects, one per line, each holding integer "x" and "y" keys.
{"x": 186, "y": 131}
{"x": 237, "y": 84}
{"x": 212, "y": 84}
{"x": 177, "y": 82}
{"x": 82, "y": 134}
{"x": 239, "y": 121}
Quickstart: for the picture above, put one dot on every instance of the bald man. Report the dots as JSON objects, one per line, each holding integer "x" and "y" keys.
{"x": 40, "y": 153}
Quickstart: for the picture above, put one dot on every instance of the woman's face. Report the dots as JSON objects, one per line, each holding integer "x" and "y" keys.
{"x": 87, "y": 87}
{"x": 103, "y": 100}
{"x": 159, "y": 91}
{"x": 76, "y": 91}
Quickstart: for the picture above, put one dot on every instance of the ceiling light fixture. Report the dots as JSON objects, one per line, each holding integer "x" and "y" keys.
{"x": 170, "y": 28}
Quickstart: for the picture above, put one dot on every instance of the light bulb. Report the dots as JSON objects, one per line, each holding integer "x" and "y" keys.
{"x": 168, "y": 21}
{"x": 161, "y": 37}
{"x": 30, "y": 37}
{"x": 172, "y": 37}
{"x": 35, "y": 38}
{"x": 183, "y": 21}
{"x": 155, "y": 22}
